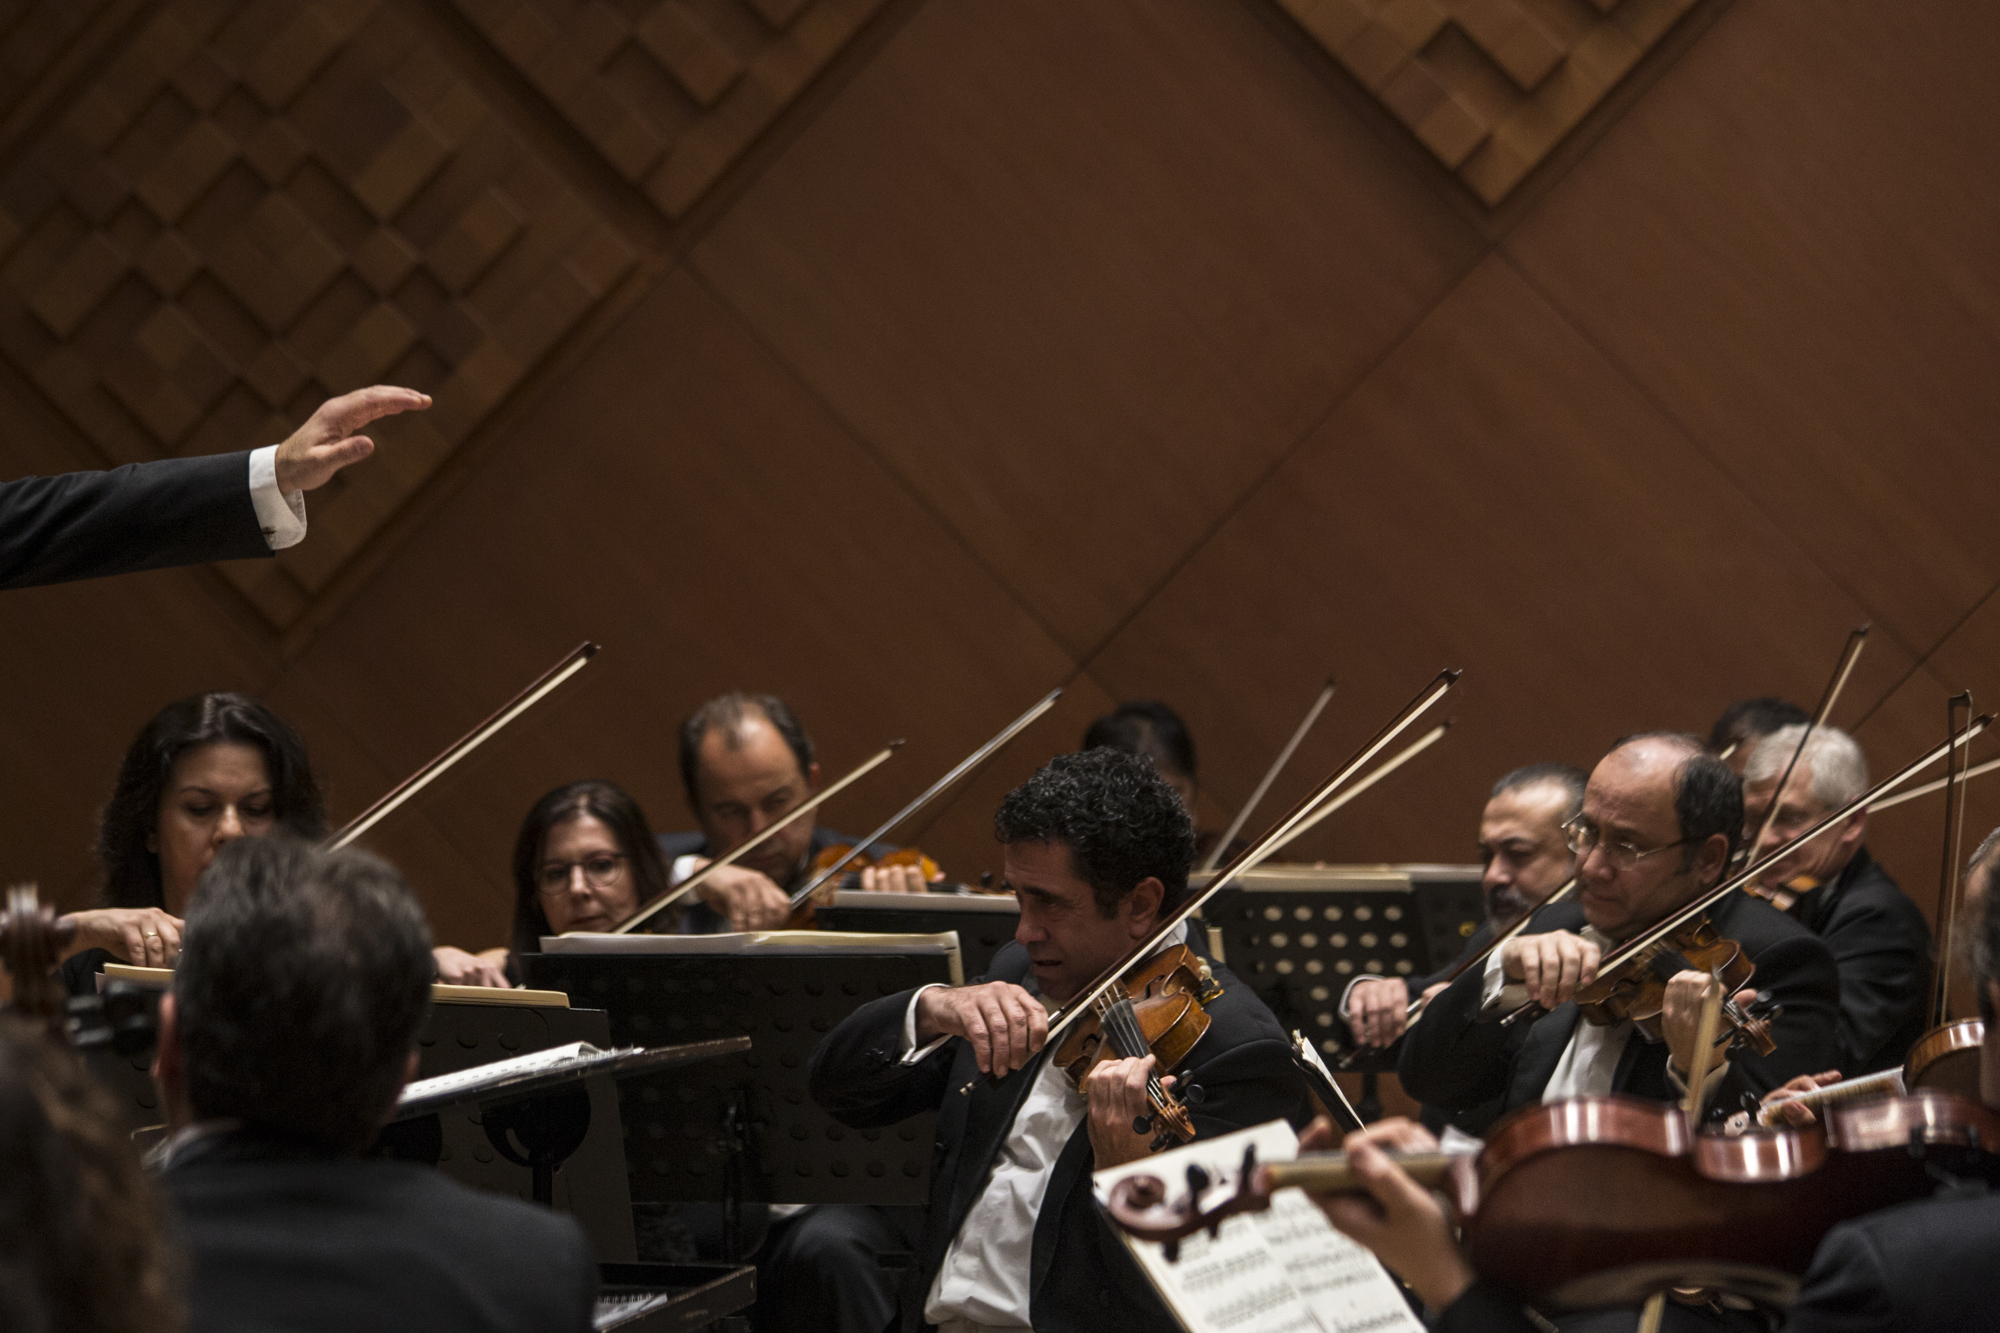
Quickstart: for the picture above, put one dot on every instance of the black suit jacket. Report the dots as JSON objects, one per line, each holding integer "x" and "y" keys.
{"x": 1918, "y": 1268}
{"x": 699, "y": 918}
{"x": 1454, "y": 1060}
{"x": 1081, "y": 1276}
{"x": 282, "y": 1236}
{"x": 177, "y": 511}
{"x": 1882, "y": 946}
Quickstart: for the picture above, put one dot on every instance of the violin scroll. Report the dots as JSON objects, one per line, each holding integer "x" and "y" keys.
{"x": 31, "y": 942}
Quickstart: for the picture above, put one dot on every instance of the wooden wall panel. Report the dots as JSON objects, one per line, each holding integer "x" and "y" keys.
{"x": 1495, "y": 497}
{"x": 687, "y": 505}
{"x": 1788, "y": 243}
{"x": 254, "y": 207}
{"x": 1065, "y": 338}
{"x": 1082, "y": 272}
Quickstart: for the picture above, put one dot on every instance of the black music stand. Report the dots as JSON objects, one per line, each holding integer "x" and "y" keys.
{"x": 984, "y": 921}
{"x": 743, "y": 1129}
{"x": 538, "y": 1118}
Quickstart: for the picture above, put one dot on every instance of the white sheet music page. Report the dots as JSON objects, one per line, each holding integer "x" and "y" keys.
{"x": 1281, "y": 1271}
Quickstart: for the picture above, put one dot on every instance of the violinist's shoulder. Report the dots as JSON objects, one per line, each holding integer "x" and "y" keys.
{"x": 1756, "y": 925}
{"x": 1919, "y": 1266}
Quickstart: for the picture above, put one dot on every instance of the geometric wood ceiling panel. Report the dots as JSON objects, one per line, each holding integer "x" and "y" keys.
{"x": 252, "y": 208}
{"x": 1489, "y": 86}
{"x": 670, "y": 92}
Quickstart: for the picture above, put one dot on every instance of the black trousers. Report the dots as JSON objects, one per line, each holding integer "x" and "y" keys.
{"x": 820, "y": 1271}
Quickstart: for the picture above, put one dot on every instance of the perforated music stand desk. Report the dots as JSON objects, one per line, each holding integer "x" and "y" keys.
{"x": 745, "y": 1125}
{"x": 1299, "y": 934}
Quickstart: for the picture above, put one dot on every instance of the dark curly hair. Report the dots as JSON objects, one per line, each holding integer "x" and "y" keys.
{"x": 82, "y": 1232}
{"x": 1119, "y": 818}
{"x": 612, "y": 806}
{"x": 131, "y": 872}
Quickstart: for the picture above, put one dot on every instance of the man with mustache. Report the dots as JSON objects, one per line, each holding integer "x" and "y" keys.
{"x": 1521, "y": 845}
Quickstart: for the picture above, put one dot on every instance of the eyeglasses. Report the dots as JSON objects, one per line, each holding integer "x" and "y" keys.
{"x": 599, "y": 872}
{"x": 1581, "y": 835}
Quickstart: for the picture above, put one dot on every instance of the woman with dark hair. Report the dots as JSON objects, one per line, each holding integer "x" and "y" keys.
{"x": 206, "y": 770}
{"x": 585, "y": 860}
{"x": 82, "y": 1240}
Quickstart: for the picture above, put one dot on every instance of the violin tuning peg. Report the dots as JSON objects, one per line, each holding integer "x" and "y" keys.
{"x": 1194, "y": 1094}
{"x": 1161, "y": 1142}
{"x": 1142, "y": 1124}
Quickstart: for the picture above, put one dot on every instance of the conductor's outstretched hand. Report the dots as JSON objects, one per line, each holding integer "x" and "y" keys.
{"x": 328, "y": 441}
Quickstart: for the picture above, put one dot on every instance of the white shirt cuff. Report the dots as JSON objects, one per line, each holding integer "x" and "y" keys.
{"x": 1498, "y": 992}
{"x": 682, "y": 867}
{"x": 1348, "y": 994}
{"x": 909, "y": 1047}
{"x": 281, "y": 516}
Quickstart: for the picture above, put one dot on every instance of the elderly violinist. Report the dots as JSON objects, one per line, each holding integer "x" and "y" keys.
{"x": 1660, "y": 819}
{"x": 1917, "y": 1268}
{"x": 1880, "y": 941}
{"x": 1096, "y": 848}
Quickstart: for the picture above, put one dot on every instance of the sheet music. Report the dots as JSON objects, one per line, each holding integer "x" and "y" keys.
{"x": 466, "y": 1080}
{"x": 1282, "y": 1271}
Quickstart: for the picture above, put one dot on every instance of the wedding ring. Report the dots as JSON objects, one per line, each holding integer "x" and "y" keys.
{"x": 152, "y": 934}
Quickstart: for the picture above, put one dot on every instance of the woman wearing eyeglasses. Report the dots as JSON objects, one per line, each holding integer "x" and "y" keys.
{"x": 585, "y": 860}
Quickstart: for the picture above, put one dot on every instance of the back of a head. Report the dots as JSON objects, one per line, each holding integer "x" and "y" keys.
{"x": 1121, "y": 820}
{"x": 727, "y": 714}
{"x": 1752, "y": 719}
{"x": 1839, "y": 770}
{"x": 82, "y": 1240}
{"x": 1148, "y": 728}
{"x": 1567, "y": 778}
{"x": 303, "y": 978}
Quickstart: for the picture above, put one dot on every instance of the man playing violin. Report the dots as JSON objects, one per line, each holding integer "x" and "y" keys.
{"x": 1880, "y": 941}
{"x": 1526, "y": 857}
{"x": 746, "y": 763}
{"x": 1096, "y": 849}
{"x": 1660, "y": 819}
{"x": 1920, "y": 1267}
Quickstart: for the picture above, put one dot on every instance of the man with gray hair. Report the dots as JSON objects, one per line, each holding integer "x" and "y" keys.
{"x": 1879, "y": 939}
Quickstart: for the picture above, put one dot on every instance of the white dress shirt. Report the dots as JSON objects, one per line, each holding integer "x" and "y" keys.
{"x": 1590, "y": 1061}
{"x": 984, "y": 1277}
{"x": 281, "y": 516}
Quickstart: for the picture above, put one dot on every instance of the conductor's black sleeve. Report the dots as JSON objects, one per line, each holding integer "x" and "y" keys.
{"x": 177, "y": 511}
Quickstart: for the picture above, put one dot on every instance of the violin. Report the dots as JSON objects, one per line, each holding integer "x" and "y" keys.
{"x": 1598, "y": 1201}
{"x": 1157, "y": 1009}
{"x": 1636, "y": 990}
{"x": 839, "y": 866}
{"x": 32, "y": 937}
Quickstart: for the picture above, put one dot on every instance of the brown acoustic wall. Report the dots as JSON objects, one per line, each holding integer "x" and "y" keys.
{"x": 910, "y": 358}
